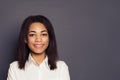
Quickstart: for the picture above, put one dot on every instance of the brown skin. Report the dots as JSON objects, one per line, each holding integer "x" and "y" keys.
{"x": 38, "y": 41}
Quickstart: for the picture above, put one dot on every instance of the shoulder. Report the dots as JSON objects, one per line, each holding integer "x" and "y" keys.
{"x": 63, "y": 69}
{"x": 62, "y": 64}
{"x": 14, "y": 64}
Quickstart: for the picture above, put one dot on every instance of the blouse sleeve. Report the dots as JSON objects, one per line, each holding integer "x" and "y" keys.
{"x": 64, "y": 72}
{"x": 11, "y": 74}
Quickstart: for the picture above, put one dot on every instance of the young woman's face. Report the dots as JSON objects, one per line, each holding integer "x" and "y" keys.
{"x": 37, "y": 38}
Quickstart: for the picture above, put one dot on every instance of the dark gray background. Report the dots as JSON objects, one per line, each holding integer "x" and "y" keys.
{"x": 87, "y": 31}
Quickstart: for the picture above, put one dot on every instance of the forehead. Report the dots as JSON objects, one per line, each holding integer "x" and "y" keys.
{"x": 37, "y": 27}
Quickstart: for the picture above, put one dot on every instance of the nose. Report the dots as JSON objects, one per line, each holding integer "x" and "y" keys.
{"x": 38, "y": 38}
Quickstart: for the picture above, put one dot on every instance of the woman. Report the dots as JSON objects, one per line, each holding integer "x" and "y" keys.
{"x": 37, "y": 53}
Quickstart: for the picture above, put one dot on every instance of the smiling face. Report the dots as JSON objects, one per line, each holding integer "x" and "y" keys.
{"x": 37, "y": 38}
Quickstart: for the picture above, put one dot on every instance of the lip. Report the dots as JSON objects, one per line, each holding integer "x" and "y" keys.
{"x": 38, "y": 45}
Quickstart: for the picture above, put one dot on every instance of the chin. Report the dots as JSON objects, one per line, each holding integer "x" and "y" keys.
{"x": 38, "y": 52}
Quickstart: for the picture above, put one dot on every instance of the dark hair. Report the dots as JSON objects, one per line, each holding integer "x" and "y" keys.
{"x": 23, "y": 49}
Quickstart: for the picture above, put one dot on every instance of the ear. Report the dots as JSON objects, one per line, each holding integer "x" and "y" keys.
{"x": 25, "y": 40}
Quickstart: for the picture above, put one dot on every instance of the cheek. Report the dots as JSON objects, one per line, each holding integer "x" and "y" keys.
{"x": 30, "y": 40}
{"x": 47, "y": 40}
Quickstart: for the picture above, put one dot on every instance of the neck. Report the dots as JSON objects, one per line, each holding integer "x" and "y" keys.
{"x": 38, "y": 58}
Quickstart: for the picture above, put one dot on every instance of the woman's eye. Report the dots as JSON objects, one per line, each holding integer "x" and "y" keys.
{"x": 44, "y": 34}
{"x": 31, "y": 35}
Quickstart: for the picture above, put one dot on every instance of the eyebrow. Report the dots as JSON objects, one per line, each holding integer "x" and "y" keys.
{"x": 40, "y": 31}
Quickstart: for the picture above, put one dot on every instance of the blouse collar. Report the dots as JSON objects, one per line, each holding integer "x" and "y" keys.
{"x": 44, "y": 62}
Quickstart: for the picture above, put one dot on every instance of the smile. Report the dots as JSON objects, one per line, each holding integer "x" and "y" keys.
{"x": 38, "y": 45}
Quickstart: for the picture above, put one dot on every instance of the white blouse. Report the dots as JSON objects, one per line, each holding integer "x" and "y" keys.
{"x": 41, "y": 72}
